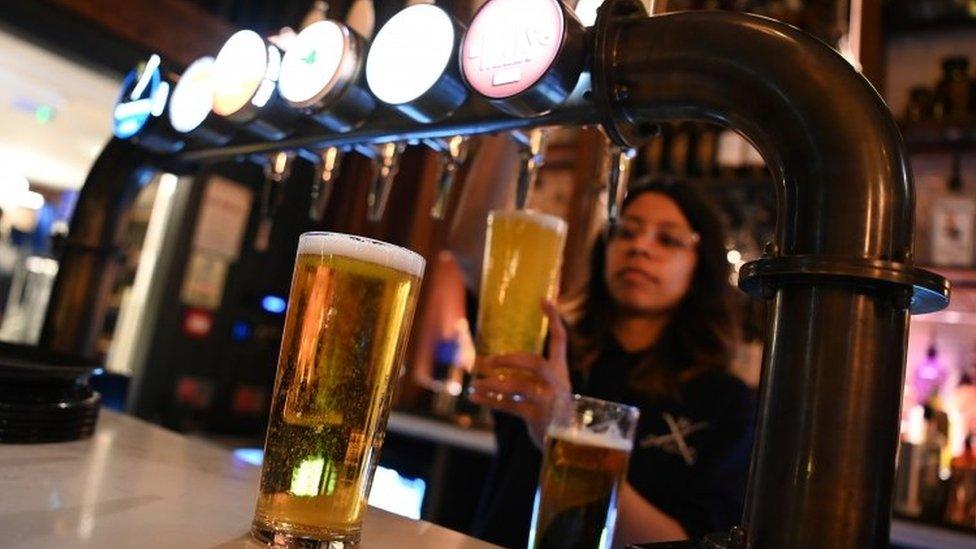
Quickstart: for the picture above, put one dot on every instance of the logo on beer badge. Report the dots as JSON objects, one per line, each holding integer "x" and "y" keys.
{"x": 313, "y": 60}
{"x": 510, "y": 45}
{"x": 675, "y": 442}
{"x": 143, "y": 96}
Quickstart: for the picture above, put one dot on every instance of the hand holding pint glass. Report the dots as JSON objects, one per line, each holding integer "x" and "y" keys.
{"x": 523, "y": 255}
{"x": 584, "y": 463}
{"x": 349, "y": 313}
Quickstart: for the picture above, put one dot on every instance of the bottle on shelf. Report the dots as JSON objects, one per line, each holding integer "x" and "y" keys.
{"x": 681, "y": 150}
{"x": 934, "y": 471}
{"x": 920, "y": 491}
{"x": 961, "y": 504}
{"x": 953, "y": 220}
{"x": 447, "y": 377}
{"x": 705, "y": 151}
{"x": 953, "y": 91}
{"x": 972, "y": 83}
{"x": 930, "y": 374}
{"x": 654, "y": 153}
{"x": 921, "y": 101}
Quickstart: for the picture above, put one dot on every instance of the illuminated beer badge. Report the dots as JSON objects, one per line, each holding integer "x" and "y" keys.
{"x": 144, "y": 95}
{"x": 510, "y": 45}
{"x": 410, "y": 53}
{"x": 312, "y": 63}
{"x": 192, "y": 97}
{"x": 412, "y": 63}
{"x": 245, "y": 72}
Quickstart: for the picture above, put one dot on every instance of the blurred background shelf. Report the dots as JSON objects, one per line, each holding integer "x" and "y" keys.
{"x": 906, "y": 18}
{"x": 908, "y": 29}
{"x": 961, "y": 277}
{"x": 940, "y": 135}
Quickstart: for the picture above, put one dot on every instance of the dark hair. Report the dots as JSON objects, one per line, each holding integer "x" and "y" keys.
{"x": 703, "y": 330}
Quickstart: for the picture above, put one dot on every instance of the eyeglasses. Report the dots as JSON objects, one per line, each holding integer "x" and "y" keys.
{"x": 667, "y": 236}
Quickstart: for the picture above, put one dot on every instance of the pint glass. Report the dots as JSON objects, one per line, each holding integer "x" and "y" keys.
{"x": 523, "y": 255}
{"x": 584, "y": 461}
{"x": 349, "y": 314}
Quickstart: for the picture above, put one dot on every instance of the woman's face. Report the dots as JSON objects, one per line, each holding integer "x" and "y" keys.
{"x": 651, "y": 256}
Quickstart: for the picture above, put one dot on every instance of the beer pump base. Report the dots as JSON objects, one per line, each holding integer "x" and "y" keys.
{"x": 44, "y": 397}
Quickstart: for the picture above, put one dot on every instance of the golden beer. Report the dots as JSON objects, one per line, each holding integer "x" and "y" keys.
{"x": 584, "y": 463}
{"x": 351, "y": 305}
{"x": 523, "y": 255}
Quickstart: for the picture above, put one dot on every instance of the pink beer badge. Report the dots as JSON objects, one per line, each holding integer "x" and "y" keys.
{"x": 510, "y": 46}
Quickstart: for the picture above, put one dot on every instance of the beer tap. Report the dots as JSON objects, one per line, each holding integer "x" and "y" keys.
{"x": 621, "y": 168}
{"x": 277, "y": 169}
{"x": 327, "y": 170}
{"x": 532, "y": 150}
{"x": 453, "y": 153}
{"x": 387, "y": 162}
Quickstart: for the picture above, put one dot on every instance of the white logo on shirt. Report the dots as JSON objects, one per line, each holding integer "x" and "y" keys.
{"x": 674, "y": 442}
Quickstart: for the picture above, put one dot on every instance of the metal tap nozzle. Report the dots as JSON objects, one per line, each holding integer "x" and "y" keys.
{"x": 454, "y": 152}
{"x": 532, "y": 149}
{"x": 327, "y": 170}
{"x": 387, "y": 164}
{"x": 621, "y": 168}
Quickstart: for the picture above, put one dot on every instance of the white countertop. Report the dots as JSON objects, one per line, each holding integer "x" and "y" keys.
{"x": 137, "y": 485}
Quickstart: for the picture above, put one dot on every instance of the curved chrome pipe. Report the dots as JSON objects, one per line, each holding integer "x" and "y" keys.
{"x": 838, "y": 278}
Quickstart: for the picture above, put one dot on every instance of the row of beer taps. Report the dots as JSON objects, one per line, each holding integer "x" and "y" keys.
{"x": 453, "y": 152}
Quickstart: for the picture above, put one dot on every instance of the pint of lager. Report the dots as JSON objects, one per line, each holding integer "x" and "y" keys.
{"x": 584, "y": 461}
{"x": 349, "y": 314}
{"x": 523, "y": 255}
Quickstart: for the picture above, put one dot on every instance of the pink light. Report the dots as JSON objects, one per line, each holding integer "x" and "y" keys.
{"x": 929, "y": 375}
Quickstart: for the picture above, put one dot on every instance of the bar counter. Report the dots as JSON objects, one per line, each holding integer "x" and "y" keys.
{"x": 137, "y": 485}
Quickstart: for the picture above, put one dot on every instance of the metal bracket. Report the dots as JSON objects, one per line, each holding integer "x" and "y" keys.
{"x": 930, "y": 292}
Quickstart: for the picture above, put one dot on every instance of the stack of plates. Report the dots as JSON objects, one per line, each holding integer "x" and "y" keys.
{"x": 44, "y": 398}
{"x": 52, "y": 422}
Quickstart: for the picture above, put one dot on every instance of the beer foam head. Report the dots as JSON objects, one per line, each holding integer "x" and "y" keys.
{"x": 551, "y": 222}
{"x": 364, "y": 249}
{"x": 612, "y": 439}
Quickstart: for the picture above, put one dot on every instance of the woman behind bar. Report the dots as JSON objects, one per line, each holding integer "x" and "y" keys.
{"x": 657, "y": 330}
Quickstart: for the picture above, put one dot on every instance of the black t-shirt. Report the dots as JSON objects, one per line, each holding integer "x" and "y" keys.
{"x": 690, "y": 457}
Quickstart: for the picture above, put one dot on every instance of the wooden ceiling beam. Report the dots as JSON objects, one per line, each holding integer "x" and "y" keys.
{"x": 177, "y": 30}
